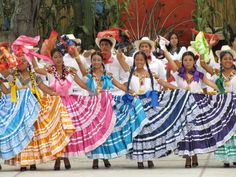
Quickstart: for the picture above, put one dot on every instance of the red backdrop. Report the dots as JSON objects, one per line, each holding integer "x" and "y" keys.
{"x": 152, "y": 17}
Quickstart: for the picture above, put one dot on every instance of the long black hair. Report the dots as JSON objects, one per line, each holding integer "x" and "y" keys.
{"x": 133, "y": 69}
{"x": 91, "y": 67}
{"x": 169, "y": 47}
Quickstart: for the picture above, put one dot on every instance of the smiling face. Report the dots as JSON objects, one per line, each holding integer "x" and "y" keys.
{"x": 57, "y": 58}
{"x": 145, "y": 47}
{"x": 96, "y": 61}
{"x": 139, "y": 61}
{"x": 188, "y": 62}
{"x": 227, "y": 61}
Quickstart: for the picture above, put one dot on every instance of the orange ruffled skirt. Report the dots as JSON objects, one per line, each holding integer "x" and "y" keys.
{"x": 53, "y": 129}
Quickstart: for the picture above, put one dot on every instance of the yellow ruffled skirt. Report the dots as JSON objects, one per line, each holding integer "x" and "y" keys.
{"x": 53, "y": 129}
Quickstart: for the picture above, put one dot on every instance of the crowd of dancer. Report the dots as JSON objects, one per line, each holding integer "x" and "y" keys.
{"x": 161, "y": 99}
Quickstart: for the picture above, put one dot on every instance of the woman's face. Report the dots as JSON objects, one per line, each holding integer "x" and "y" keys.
{"x": 22, "y": 63}
{"x": 146, "y": 48}
{"x": 227, "y": 61}
{"x": 96, "y": 61}
{"x": 188, "y": 62}
{"x": 57, "y": 58}
{"x": 174, "y": 40}
{"x": 139, "y": 61}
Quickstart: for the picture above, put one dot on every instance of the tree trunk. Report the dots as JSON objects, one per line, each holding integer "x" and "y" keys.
{"x": 21, "y": 21}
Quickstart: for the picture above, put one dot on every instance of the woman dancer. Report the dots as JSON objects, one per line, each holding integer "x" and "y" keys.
{"x": 91, "y": 115}
{"x": 130, "y": 117}
{"x": 226, "y": 81}
{"x": 53, "y": 126}
{"x": 168, "y": 113}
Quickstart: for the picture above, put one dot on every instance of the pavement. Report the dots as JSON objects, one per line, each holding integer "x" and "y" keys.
{"x": 171, "y": 166}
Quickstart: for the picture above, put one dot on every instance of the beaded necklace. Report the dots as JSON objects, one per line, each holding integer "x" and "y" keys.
{"x": 99, "y": 83}
{"x": 141, "y": 82}
{"x": 65, "y": 72}
{"x": 227, "y": 79}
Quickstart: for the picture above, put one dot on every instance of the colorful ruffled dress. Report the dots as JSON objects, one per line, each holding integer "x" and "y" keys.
{"x": 214, "y": 124}
{"x": 92, "y": 115}
{"x": 130, "y": 119}
{"x": 53, "y": 129}
{"x": 170, "y": 115}
{"x": 227, "y": 153}
{"x": 17, "y": 122}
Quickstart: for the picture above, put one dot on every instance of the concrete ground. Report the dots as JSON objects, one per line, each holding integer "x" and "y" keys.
{"x": 172, "y": 166}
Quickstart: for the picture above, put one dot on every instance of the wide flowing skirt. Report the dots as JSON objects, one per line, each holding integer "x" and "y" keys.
{"x": 214, "y": 125}
{"x": 130, "y": 119}
{"x": 53, "y": 129}
{"x": 17, "y": 122}
{"x": 227, "y": 152}
{"x": 93, "y": 119}
{"x": 168, "y": 124}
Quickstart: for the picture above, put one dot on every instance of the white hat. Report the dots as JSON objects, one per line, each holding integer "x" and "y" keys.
{"x": 113, "y": 41}
{"x": 72, "y": 37}
{"x": 225, "y": 48}
{"x": 144, "y": 40}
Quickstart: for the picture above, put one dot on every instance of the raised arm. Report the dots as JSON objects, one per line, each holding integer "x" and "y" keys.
{"x": 38, "y": 70}
{"x": 79, "y": 62}
{"x": 174, "y": 66}
{"x": 208, "y": 68}
{"x": 121, "y": 59}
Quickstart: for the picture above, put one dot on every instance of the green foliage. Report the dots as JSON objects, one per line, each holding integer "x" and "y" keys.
{"x": 50, "y": 17}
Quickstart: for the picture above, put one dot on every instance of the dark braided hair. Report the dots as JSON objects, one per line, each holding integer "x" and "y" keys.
{"x": 220, "y": 81}
{"x": 133, "y": 69}
{"x": 91, "y": 67}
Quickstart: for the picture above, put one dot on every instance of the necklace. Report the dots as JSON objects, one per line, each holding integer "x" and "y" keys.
{"x": 141, "y": 82}
{"x": 227, "y": 79}
{"x": 99, "y": 82}
{"x": 65, "y": 72}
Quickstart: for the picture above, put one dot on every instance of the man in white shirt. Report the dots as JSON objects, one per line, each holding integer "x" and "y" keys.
{"x": 71, "y": 61}
{"x": 147, "y": 46}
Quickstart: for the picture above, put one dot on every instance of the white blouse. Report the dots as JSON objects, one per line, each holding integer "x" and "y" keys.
{"x": 135, "y": 84}
{"x": 194, "y": 87}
